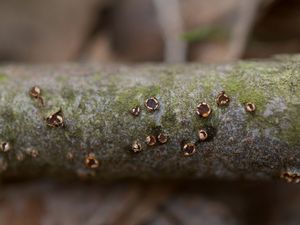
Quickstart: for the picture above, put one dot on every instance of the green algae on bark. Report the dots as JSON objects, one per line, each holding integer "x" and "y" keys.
{"x": 96, "y": 103}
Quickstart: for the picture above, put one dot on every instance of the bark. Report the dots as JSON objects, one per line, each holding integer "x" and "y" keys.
{"x": 96, "y": 140}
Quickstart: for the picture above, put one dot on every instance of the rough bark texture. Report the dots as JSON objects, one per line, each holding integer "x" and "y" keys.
{"x": 96, "y": 100}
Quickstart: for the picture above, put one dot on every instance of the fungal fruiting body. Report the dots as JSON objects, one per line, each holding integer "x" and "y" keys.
{"x": 35, "y": 92}
{"x": 135, "y": 111}
{"x": 55, "y": 120}
{"x": 189, "y": 149}
{"x": 32, "y": 152}
{"x": 162, "y": 138}
{"x": 136, "y": 147}
{"x": 222, "y": 99}
{"x": 91, "y": 161}
{"x": 150, "y": 140}
{"x": 291, "y": 176}
{"x": 152, "y": 104}
{"x": 203, "y": 110}
{"x": 70, "y": 156}
{"x": 202, "y": 134}
{"x": 5, "y": 146}
{"x": 207, "y": 133}
{"x": 250, "y": 107}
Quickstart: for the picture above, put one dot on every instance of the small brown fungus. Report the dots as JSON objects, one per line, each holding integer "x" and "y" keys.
{"x": 203, "y": 110}
{"x": 152, "y": 104}
{"x": 32, "y": 152}
{"x": 202, "y": 134}
{"x": 207, "y": 133}
{"x": 222, "y": 99}
{"x": 5, "y": 146}
{"x": 91, "y": 161}
{"x": 189, "y": 149}
{"x": 70, "y": 156}
{"x": 162, "y": 138}
{"x": 55, "y": 120}
{"x": 250, "y": 107}
{"x": 291, "y": 176}
{"x": 35, "y": 92}
{"x": 136, "y": 147}
{"x": 150, "y": 140}
{"x": 135, "y": 111}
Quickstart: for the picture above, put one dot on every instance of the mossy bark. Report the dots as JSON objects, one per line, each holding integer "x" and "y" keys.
{"x": 95, "y": 102}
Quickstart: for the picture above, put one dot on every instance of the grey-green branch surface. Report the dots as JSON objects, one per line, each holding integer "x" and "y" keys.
{"x": 95, "y": 103}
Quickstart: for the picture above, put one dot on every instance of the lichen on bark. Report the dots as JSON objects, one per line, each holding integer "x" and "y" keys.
{"x": 96, "y": 102}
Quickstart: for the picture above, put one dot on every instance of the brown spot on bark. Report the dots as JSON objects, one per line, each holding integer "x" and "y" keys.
{"x": 291, "y": 176}
{"x": 91, "y": 161}
{"x": 250, "y": 107}
{"x": 152, "y": 104}
{"x": 222, "y": 99}
{"x": 162, "y": 138}
{"x": 5, "y": 146}
{"x": 202, "y": 134}
{"x": 203, "y": 110}
{"x": 35, "y": 92}
{"x": 135, "y": 111}
{"x": 189, "y": 149}
{"x": 150, "y": 140}
{"x": 70, "y": 156}
{"x": 32, "y": 152}
{"x": 136, "y": 147}
{"x": 55, "y": 120}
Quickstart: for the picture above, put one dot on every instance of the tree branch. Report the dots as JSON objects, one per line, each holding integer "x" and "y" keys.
{"x": 80, "y": 123}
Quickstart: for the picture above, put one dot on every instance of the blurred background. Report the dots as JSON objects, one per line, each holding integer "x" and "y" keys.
{"x": 135, "y": 31}
{"x": 39, "y": 31}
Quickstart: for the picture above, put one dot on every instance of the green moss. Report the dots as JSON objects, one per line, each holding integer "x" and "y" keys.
{"x": 244, "y": 88}
{"x": 205, "y": 33}
{"x": 287, "y": 81}
{"x": 120, "y": 106}
{"x": 97, "y": 77}
{"x": 152, "y": 128}
{"x": 291, "y": 134}
{"x": 68, "y": 94}
{"x": 8, "y": 114}
{"x": 255, "y": 96}
{"x": 63, "y": 78}
{"x": 281, "y": 83}
{"x": 232, "y": 86}
{"x": 135, "y": 96}
{"x": 169, "y": 119}
{"x": 167, "y": 79}
{"x": 3, "y": 77}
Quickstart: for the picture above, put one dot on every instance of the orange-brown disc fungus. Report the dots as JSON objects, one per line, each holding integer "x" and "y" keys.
{"x": 203, "y": 110}
{"x": 152, "y": 104}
